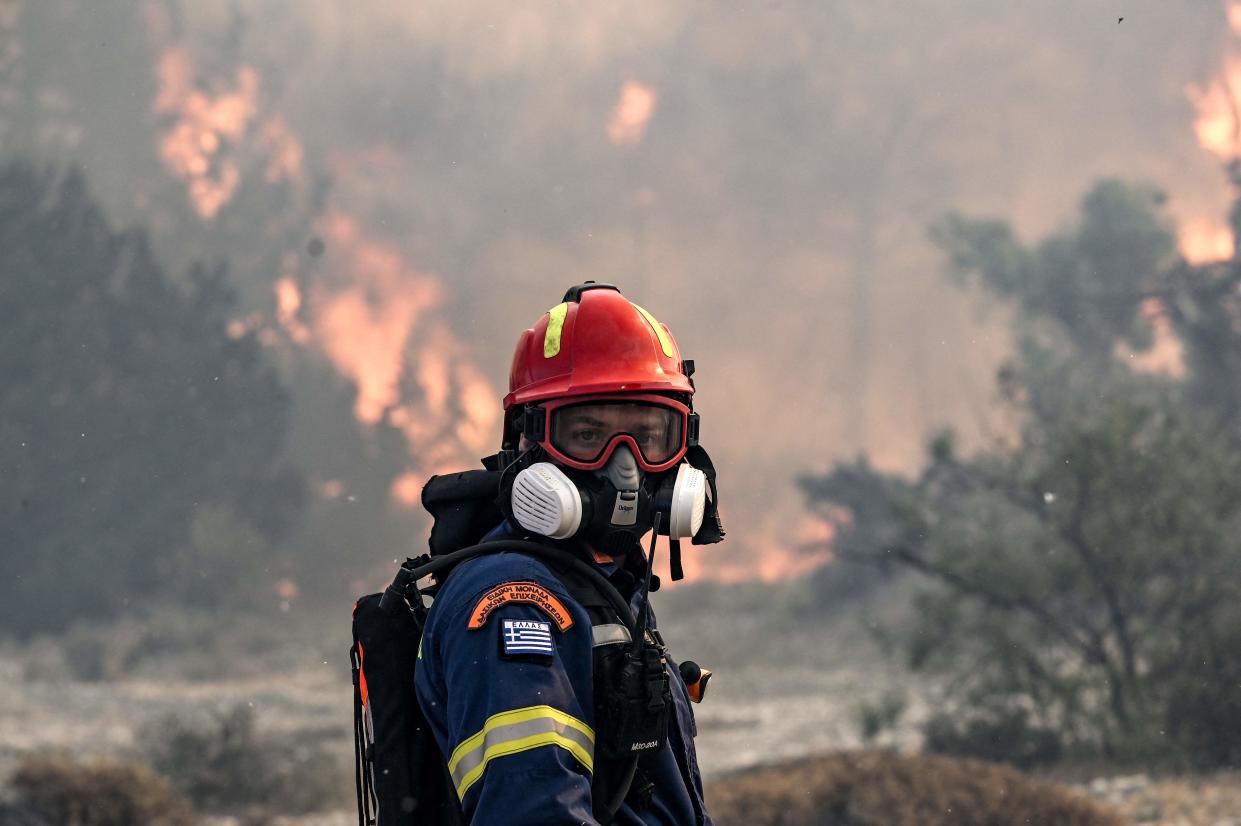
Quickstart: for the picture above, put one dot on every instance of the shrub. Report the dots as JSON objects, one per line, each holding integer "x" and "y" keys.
{"x": 1204, "y": 713}
{"x": 881, "y": 789}
{"x": 226, "y": 765}
{"x": 875, "y": 718}
{"x": 1003, "y": 736}
{"x": 56, "y": 790}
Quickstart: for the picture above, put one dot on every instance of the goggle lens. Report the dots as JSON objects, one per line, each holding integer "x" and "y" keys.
{"x": 584, "y": 431}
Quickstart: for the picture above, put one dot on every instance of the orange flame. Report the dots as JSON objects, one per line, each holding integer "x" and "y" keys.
{"x": 194, "y": 147}
{"x": 206, "y": 126}
{"x": 632, "y": 113}
{"x": 1217, "y": 125}
{"x": 374, "y": 318}
{"x": 378, "y": 327}
{"x": 1218, "y": 122}
{"x": 288, "y": 306}
{"x": 786, "y": 544}
{"x": 284, "y": 151}
{"x": 407, "y": 489}
{"x": 1203, "y": 241}
{"x": 241, "y": 327}
{"x": 1167, "y": 353}
{"x": 364, "y": 326}
{"x": 286, "y": 589}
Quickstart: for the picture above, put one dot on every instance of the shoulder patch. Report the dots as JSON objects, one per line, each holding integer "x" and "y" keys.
{"x": 526, "y": 638}
{"x": 526, "y": 592}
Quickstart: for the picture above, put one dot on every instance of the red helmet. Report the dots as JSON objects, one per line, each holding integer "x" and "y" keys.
{"x": 597, "y": 347}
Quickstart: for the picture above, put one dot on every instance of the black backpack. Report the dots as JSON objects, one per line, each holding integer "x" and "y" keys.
{"x": 401, "y": 776}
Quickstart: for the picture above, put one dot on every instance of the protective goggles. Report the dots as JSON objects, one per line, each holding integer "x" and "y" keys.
{"x": 582, "y": 433}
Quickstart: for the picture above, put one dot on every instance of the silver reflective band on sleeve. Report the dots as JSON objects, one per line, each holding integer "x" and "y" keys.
{"x": 609, "y": 634}
{"x": 515, "y": 731}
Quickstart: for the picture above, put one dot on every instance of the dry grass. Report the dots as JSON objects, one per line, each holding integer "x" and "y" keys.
{"x": 1189, "y": 800}
{"x": 880, "y": 789}
{"x": 55, "y": 789}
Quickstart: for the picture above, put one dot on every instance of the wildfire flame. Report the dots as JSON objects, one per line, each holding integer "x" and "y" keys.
{"x": 1203, "y": 241}
{"x": 1167, "y": 353}
{"x": 195, "y": 146}
{"x": 288, "y": 307}
{"x": 777, "y": 549}
{"x": 632, "y": 113}
{"x": 1218, "y": 123}
{"x": 364, "y": 324}
{"x": 372, "y": 316}
{"x": 376, "y": 323}
{"x": 205, "y": 128}
{"x": 284, "y": 151}
{"x": 407, "y": 489}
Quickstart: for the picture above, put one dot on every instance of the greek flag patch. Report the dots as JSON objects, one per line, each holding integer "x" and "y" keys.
{"x": 526, "y": 638}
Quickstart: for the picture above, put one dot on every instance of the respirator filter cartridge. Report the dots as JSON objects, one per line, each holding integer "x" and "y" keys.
{"x": 689, "y": 502}
{"x": 547, "y": 502}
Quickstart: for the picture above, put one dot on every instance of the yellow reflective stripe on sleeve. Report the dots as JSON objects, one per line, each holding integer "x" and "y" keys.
{"x": 555, "y": 325}
{"x": 665, "y": 342}
{"x": 515, "y": 731}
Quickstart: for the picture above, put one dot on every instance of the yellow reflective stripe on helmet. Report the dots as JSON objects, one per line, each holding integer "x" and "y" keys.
{"x": 555, "y": 325}
{"x": 665, "y": 342}
{"x": 519, "y": 730}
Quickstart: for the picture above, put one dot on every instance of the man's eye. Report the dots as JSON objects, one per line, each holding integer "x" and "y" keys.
{"x": 586, "y": 435}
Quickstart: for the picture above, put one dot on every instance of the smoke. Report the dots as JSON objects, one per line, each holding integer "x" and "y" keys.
{"x": 760, "y": 177}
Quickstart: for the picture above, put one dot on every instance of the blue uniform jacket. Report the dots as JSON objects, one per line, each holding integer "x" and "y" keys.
{"x": 518, "y": 727}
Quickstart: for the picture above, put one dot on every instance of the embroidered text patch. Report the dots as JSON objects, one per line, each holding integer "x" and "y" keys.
{"x": 527, "y": 592}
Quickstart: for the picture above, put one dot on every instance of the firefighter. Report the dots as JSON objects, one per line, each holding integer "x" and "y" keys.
{"x": 513, "y": 669}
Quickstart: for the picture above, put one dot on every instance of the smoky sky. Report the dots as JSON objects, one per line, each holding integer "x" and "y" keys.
{"x": 760, "y": 176}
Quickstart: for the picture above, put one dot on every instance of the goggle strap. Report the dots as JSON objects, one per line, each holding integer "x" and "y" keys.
{"x": 691, "y": 430}
{"x": 534, "y": 423}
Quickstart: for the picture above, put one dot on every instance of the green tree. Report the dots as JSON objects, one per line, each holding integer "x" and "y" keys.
{"x": 1079, "y": 578}
{"x": 126, "y": 411}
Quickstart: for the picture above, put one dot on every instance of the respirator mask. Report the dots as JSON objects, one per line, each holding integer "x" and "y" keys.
{"x": 604, "y": 467}
{"x": 612, "y": 508}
